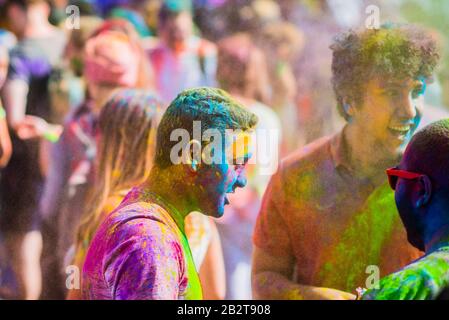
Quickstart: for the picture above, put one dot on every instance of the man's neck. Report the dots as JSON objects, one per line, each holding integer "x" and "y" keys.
{"x": 437, "y": 239}
{"x": 38, "y": 28}
{"x": 163, "y": 184}
{"x": 364, "y": 159}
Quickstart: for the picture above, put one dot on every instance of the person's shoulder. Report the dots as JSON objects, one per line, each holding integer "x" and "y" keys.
{"x": 140, "y": 217}
{"x": 304, "y": 171}
{"x": 140, "y": 228}
{"x": 56, "y": 36}
{"x": 208, "y": 45}
{"x": 267, "y": 116}
{"x": 19, "y": 50}
{"x": 308, "y": 157}
{"x": 156, "y": 47}
{"x": 205, "y": 47}
{"x": 79, "y": 126}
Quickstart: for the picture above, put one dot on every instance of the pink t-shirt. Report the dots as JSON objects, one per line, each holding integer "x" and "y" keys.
{"x": 140, "y": 253}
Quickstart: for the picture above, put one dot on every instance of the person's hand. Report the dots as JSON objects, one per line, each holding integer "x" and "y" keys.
{"x": 35, "y": 127}
{"x": 31, "y": 127}
{"x": 413, "y": 283}
{"x": 317, "y": 293}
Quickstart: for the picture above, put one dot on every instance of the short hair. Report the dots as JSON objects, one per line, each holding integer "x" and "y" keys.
{"x": 214, "y": 108}
{"x": 428, "y": 152}
{"x": 172, "y": 8}
{"x": 392, "y": 51}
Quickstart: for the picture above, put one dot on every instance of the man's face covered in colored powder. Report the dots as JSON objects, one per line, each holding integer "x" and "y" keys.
{"x": 390, "y": 113}
{"x": 226, "y": 173}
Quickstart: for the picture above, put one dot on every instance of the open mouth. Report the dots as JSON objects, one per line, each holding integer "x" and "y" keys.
{"x": 226, "y": 200}
{"x": 400, "y": 131}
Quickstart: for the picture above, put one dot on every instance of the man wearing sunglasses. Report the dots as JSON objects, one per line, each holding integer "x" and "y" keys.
{"x": 421, "y": 184}
{"x": 328, "y": 222}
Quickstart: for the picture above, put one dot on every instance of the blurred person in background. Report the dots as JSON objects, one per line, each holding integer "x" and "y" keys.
{"x": 26, "y": 101}
{"x": 282, "y": 42}
{"x": 238, "y": 53}
{"x": 67, "y": 85}
{"x": 312, "y": 69}
{"x": 129, "y": 10}
{"x": 220, "y": 18}
{"x": 113, "y": 58}
{"x": 127, "y": 126}
{"x": 67, "y": 88}
{"x": 5, "y": 155}
{"x": 7, "y": 39}
{"x": 181, "y": 60}
{"x": 5, "y": 140}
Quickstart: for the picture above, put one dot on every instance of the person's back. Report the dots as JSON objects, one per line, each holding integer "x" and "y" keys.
{"x": 198, "y": 231}
{"x": 139, "y": 252}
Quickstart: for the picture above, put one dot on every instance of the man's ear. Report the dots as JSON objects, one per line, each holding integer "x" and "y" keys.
{"x": 192, "y": 155}
{"x": 348, "y": 108}
{"x": 424, "y": 192}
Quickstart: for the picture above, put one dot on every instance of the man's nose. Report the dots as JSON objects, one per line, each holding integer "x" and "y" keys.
{"x": 407, "y": 109}
{"x": 241, "y": 180}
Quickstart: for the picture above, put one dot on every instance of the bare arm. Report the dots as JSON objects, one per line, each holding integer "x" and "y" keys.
{"x": 212, "y": 271}
{"x": 271, "y": 279}
{"x": 5, "y": 143}
{"x": 15, "y": 94}
{"x": 25, "y": 126}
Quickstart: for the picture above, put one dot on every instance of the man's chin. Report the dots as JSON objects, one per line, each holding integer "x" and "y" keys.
{"x": 215, "y": 212}
{"x": 415, "y": 242}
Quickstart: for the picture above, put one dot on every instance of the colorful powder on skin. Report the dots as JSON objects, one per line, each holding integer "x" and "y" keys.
{"x": 423, "y": 279}
{"x": 362, "y": 241}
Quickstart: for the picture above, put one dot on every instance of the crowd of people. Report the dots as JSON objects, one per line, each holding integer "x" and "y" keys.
{"x": 141, "y": 146}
